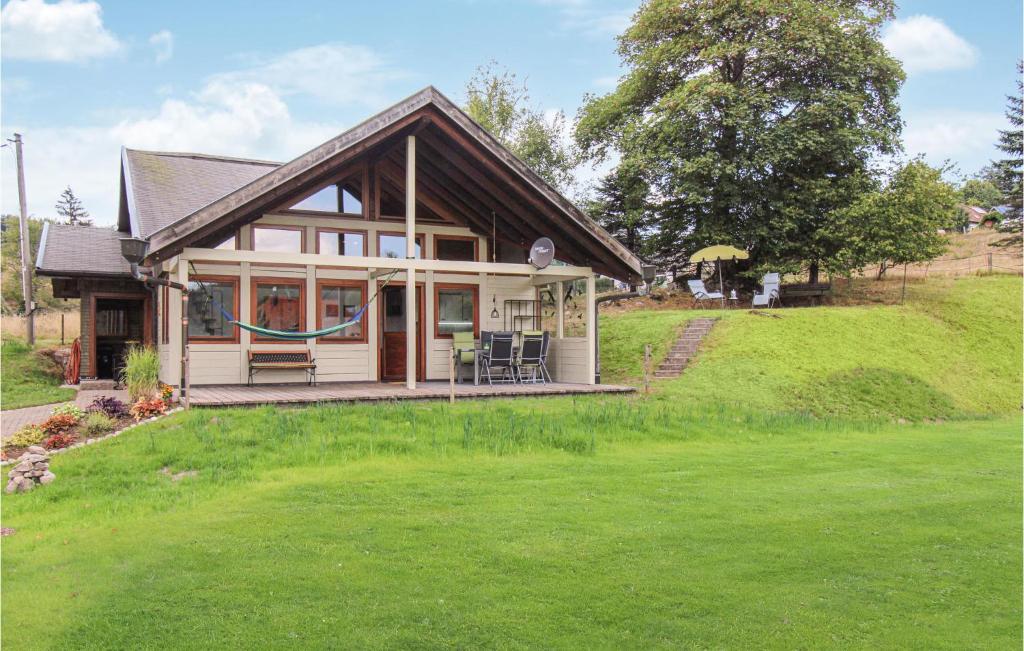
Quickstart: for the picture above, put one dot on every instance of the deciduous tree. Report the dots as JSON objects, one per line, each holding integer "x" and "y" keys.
{"x": 897, "y": 224}
{"x": 753, "y": 121}
{"x": 501, "y": 104}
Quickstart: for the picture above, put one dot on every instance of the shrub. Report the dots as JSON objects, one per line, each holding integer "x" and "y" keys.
{"x": 59, "y": 423}
{"x": 147, "y": 408}
{"x": 97, "y": 423}
{"x": 110, "y": 406}
{"x": 26, "y": 436}
{"x": 69, "y": 409}
{"x": 141, "y": 372}
{"x": 58, "y": 441}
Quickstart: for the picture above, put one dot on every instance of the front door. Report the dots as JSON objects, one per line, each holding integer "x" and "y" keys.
{"x": 393, "y": 343}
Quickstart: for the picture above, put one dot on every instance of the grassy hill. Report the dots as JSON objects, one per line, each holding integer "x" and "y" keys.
{"x": 954, "y": 349}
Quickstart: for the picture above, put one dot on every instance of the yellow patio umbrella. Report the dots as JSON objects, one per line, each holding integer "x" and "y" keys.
{"x": 716, "y": 254}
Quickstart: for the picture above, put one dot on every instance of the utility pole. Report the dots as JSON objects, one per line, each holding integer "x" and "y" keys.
{"x": 26, "y": 270}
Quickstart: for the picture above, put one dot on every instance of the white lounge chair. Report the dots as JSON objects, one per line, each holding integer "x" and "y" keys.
{"x": 701, "y": 294}
{"x": 769, "y": 296}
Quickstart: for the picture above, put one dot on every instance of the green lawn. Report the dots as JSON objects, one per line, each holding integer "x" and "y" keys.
{"x": 733, "y": 508}
{"x": 953, "y": 350}
{"x": 619, "y": 526}
{"x": 28, "y": 378}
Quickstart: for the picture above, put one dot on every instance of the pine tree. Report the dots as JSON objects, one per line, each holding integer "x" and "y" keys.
{"x": 1011, "y": 141}
{"x": 70, "y": 208}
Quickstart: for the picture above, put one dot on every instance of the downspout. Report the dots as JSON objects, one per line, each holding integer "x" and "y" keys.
{"x": 152, "y": 283}
{"x": 597, "y": 327}
{"x": 647, "y": 273}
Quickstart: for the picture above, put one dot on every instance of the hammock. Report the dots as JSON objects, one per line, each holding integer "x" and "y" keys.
{"x": 289, "y": 335}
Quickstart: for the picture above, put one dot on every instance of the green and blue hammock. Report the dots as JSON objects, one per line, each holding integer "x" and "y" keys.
{"x": 291, "y": 335}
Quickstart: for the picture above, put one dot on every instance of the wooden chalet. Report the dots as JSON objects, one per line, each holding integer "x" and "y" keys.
{"x": 419, "y": 188}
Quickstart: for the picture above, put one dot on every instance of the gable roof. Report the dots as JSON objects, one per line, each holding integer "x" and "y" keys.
{"x": 222, "y": 212}
{"x": 159, "y": 188}
{"x": 81, "y": 251}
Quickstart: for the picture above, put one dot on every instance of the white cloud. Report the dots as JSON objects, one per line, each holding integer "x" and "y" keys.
{"x": 924, "y": 44}
{"x": 966, "y": 138}
{"x": 68, "y": 31}
{"x": 241, "y": 113}
{"x": 163, "y": 45}
{"x": 592, "y": 18}
{"x": 610, "y": 82}
{"x": 337, "y": 73}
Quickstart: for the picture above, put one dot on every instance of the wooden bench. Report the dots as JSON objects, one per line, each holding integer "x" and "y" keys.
{"x": 812, "y": 291}
{"x": 265, "y": 360}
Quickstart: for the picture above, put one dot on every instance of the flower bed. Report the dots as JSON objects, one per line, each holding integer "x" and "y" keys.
{"x": 70, "y": 426}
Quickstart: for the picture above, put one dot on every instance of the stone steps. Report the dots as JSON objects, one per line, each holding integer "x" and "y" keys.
{"x": 685, "y": 347}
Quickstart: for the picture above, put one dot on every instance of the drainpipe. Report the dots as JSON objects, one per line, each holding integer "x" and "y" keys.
{"x": 647, "y": 273}
{"x": 597, "y": 327}
{"x": 134, "y": 251}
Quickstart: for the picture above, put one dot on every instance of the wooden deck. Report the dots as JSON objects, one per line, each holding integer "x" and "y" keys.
{"x": 264, "y": 394}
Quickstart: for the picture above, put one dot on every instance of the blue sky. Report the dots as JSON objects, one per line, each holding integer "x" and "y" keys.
{"x": 272, "y": 79}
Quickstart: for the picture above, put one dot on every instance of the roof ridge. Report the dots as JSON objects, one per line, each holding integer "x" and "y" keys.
{"x": 217, "y": 157}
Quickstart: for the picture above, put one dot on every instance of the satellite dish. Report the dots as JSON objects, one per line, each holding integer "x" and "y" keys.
{"x": 542, "y": 253}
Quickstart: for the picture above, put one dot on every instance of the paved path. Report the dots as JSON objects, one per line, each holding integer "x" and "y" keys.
{"x": 12, "y": 420}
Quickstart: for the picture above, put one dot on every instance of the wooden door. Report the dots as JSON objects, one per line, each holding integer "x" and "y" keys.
{"x": 392, "y": 329}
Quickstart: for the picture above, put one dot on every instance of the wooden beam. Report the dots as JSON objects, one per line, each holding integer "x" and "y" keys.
{"x": 411, "y": 311}
{"x": 522, "y": 198}
{"x": 365, "y": 262}
{"x": 249, "y": 203}
{"x": 508, "y": 207}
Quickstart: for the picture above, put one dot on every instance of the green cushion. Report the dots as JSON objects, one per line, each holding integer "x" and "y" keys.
{"x": 464, "y": 341}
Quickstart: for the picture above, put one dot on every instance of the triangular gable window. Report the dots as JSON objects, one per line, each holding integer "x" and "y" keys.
{"x": 345, "y": 197}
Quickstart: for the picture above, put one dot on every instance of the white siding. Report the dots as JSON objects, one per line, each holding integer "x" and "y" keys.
{"x": 567, "y": 360}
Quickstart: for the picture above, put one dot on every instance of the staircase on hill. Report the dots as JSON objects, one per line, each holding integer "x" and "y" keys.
{"x": 685, "y": 348}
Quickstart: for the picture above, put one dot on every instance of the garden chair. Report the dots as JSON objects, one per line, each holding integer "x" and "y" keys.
{"x": 499, "y": 358}
{"x": 464, "y": 352}
{"x": 701, "y": 294}
{"x": 531, "y": 358}
{"x": 769, "y": 296}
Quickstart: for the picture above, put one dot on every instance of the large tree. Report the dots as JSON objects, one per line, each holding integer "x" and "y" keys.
{"x": 753, "y": 121}
{"x": 620, "y": 206}
{"x": 1011, "y": 141}
{"x": 501, "y": 104}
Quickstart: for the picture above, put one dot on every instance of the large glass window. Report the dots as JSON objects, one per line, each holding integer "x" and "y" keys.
{"x": 339, "y": 302}
{"x": 455, "y": 248}
{"x": 208, "y": 299}
{"x": 344, "y": 197}
{"x": 278, "y": 305}
{"x": 279, "y": 239}
{"x": 332, "y": 242}
{"x": 325, "y": 200}
{"x": 391, "y": 245}
{"x": 456, "y": 309}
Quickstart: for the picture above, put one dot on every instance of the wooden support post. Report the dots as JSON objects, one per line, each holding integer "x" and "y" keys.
{"x": 451, "y": 376}
{"x": 411, "y": 331}
{"x": 183, "y": 381}
{"x": 903, "y": 295}
{"x": 990, "y": 262}
{"x": 591, "y": 329}
{"x": 560, "y": 307}
{"x": 647, "y": 369}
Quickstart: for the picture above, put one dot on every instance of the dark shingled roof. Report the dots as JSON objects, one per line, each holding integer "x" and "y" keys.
{"x": 81, "y": 251}
{"x": 163, "y": 187}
